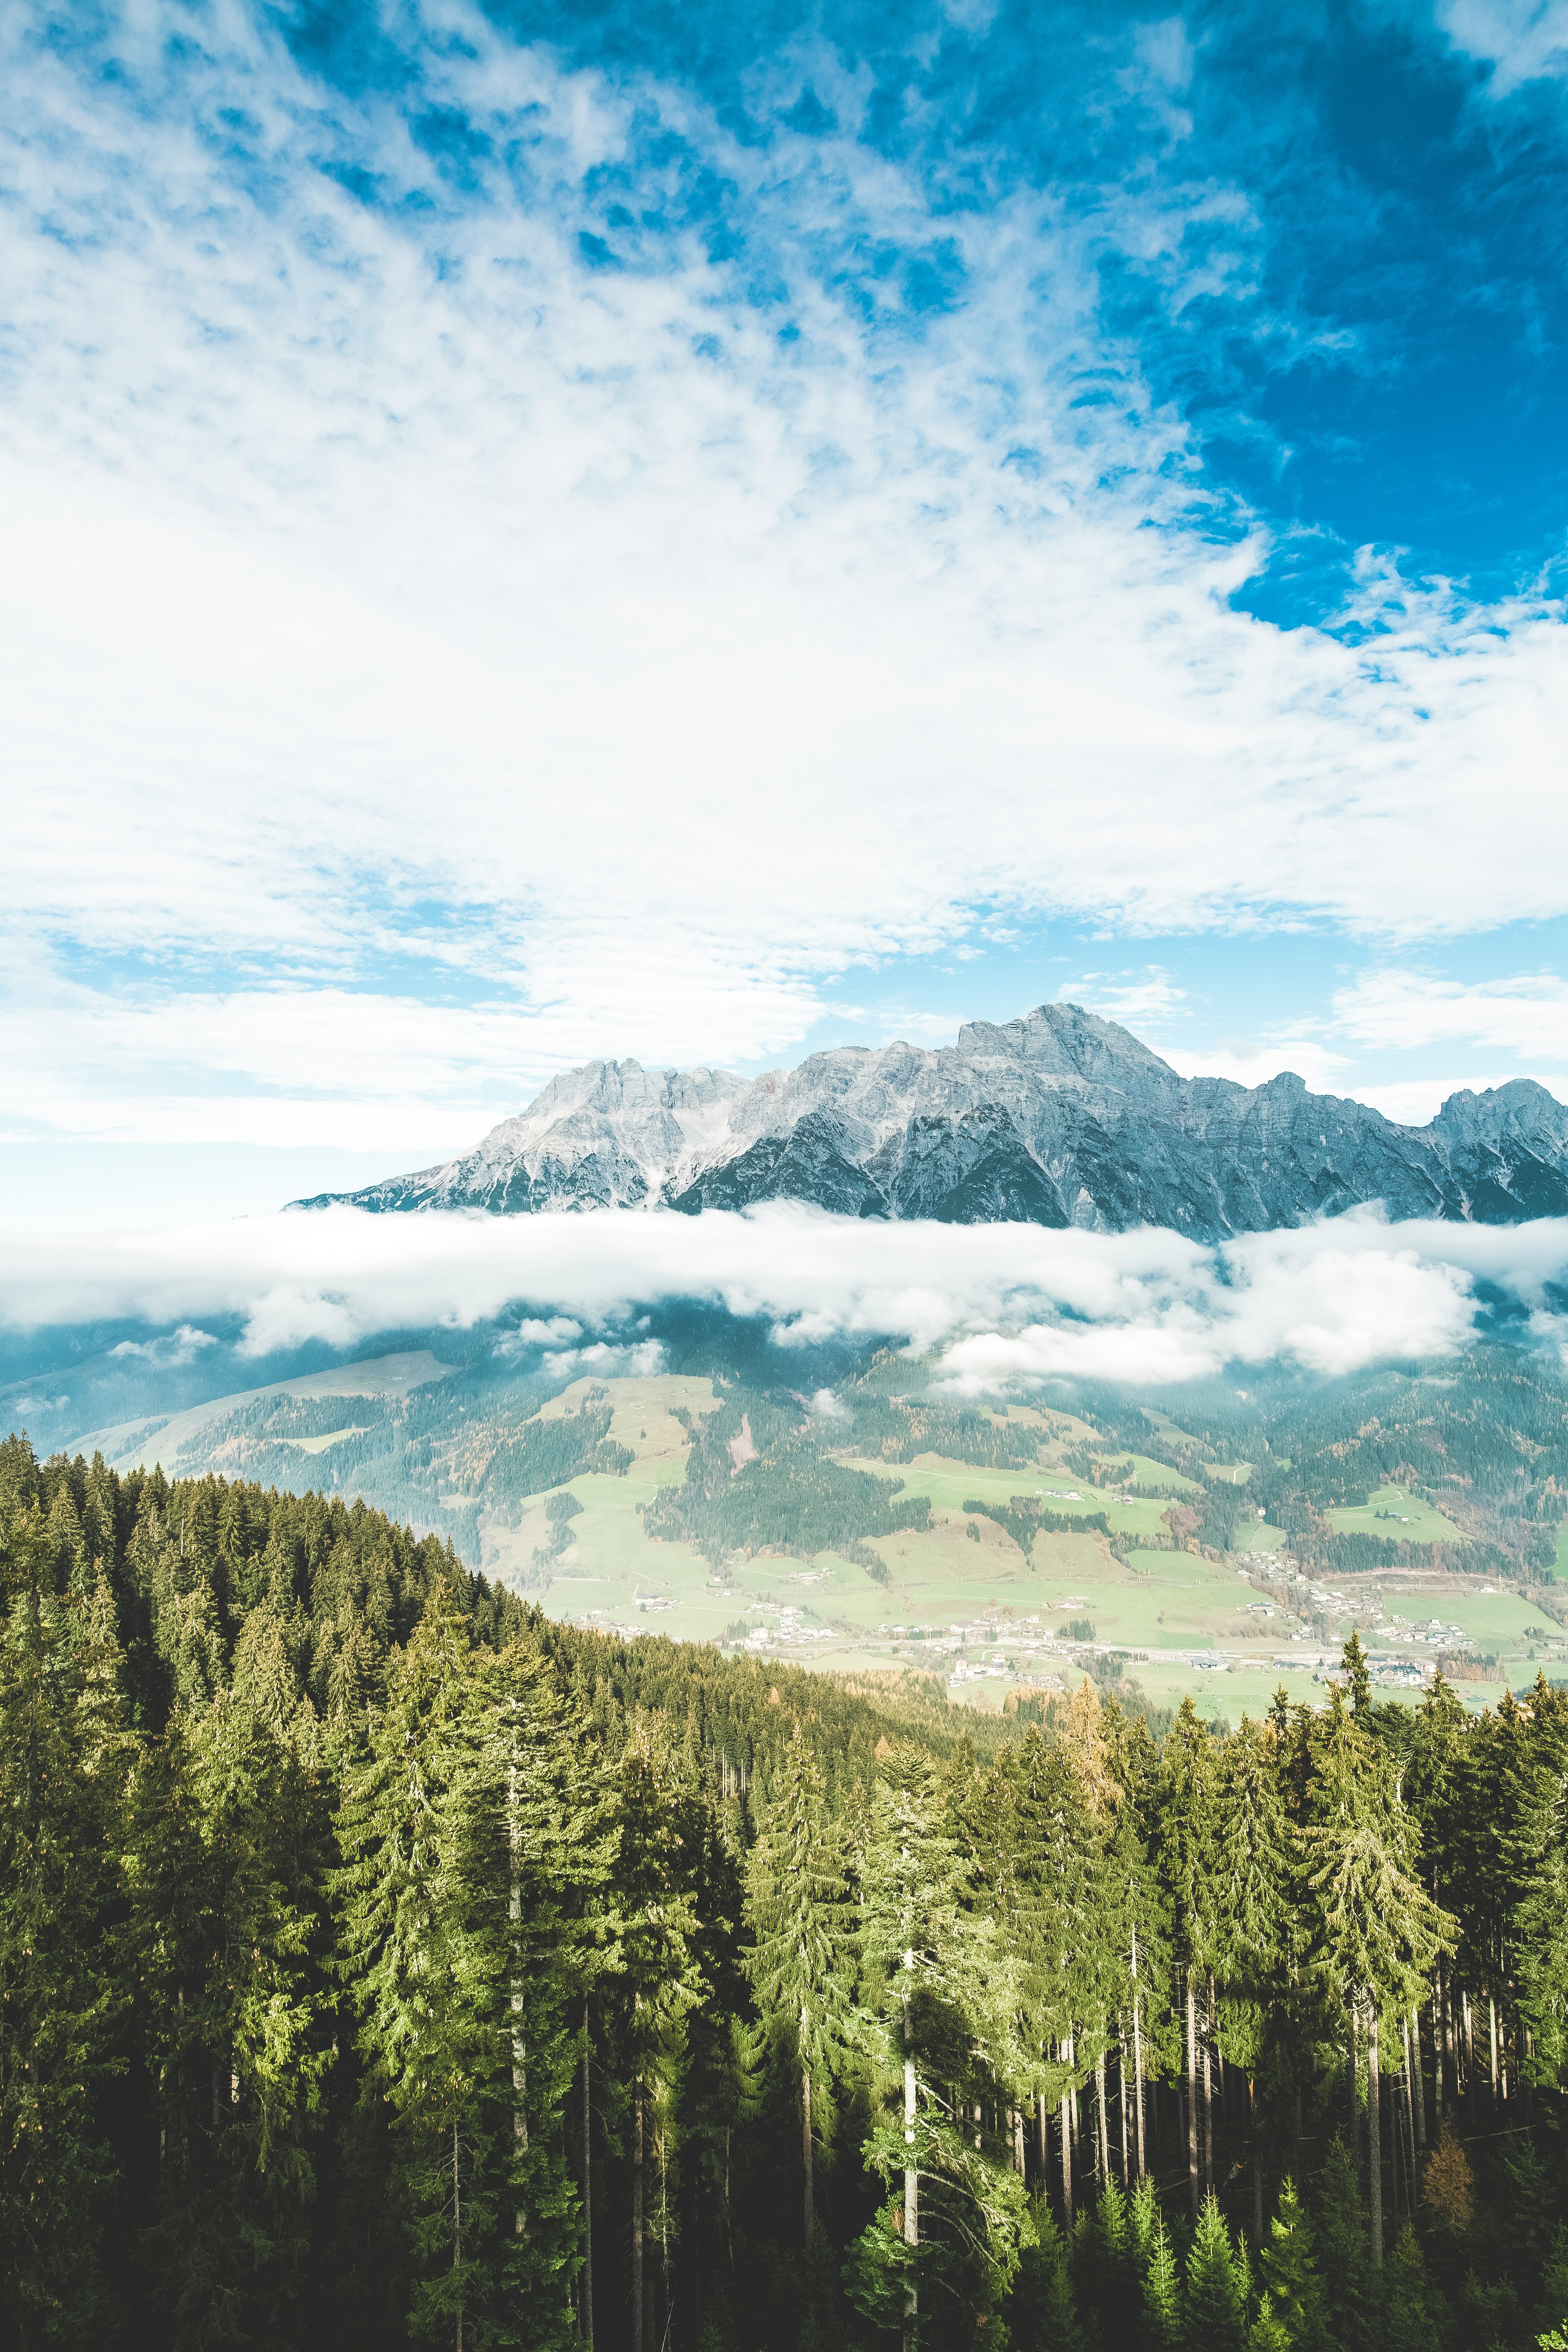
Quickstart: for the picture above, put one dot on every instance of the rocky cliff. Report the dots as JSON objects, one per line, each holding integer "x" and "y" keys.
{"x": 1057, "y": 1118}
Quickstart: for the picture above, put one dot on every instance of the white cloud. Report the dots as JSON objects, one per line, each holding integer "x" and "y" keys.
{"x": 1251, "y": 1065}
{"x": 180, "y": 1346}
{"x": 643, "y": 1361}
{"x": 356, "y": 570}
{"x": 1008, "y": 1305}
{"x": 1520, "y": 39}
{"x": 1525, "y": 1016}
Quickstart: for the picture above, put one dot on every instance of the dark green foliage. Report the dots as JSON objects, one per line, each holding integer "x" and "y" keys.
{"x": 1214, "y": 2302}
{"x": 792, "y": 1498}
{"x": 897, "y": 1428}
{"x": 325, "y": 1865}
{"x": 1023, "y": 1518}
{"x": 1290, "y": 2293}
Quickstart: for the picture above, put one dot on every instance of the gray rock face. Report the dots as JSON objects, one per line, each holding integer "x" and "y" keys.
{"x": 1057, "y": 1118}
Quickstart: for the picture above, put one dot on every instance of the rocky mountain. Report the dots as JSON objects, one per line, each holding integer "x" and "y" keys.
{"x": 1056, "y": 1118}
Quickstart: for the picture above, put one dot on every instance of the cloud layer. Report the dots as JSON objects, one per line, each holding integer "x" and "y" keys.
{"x": 585, "y": 586}
{"x": 1007, "y": 1306}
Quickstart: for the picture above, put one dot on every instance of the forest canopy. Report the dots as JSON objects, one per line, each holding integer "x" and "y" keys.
{"x": 381, "y": 1962}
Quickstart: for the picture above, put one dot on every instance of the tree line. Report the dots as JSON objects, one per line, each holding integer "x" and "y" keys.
{"x": 380, "y": 1961}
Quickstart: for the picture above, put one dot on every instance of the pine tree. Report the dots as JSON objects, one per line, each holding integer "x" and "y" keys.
{"x": 1291, "y": 2309}
{"x": 1253, "y": 1891}
{"x": 417, "y": 1975}
{"x": 1377, "y": 1932}
{"x": 1044, "y": 2308}
{"x": 1185, "y": 1859}
{"x": 1162, "y": 2294}
{"x": 62, "y": 1776}
{"x": 802, "y": 1962}
{"x": 534, "y": 1846}
{"x": 1409, "y": 2317}
{"x": 226, "y": 1859}
{"x": 1214, "y": 2303}
{"x": 938, "y": 2003}
{"x": 1340, "y": 2228}
{"x": 658, "y": 1983}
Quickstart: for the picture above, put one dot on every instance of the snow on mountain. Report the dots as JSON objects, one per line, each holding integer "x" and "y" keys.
{"x": 1058, "y": 1117}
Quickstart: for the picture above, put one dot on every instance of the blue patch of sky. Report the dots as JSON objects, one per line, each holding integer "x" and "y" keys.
{"x": 1188, "y": 993}
{"x": 1367, "y": 331}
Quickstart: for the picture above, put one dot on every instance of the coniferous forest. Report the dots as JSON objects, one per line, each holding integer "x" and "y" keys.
{"x": 381, "y": 1963}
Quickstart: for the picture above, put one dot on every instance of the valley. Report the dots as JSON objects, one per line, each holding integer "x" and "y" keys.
{"x": 1059, "y": 1549}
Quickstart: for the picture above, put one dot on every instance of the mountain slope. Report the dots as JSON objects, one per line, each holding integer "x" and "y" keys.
{"x": 1057, "y": 1118}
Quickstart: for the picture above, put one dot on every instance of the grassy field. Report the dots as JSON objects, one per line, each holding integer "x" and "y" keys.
{"x": 1260, "y": 1534}
{"x": 1406, "y": 1519}
{"x": 950, "y": 1485}
{"x": 959, "y": 1595}
{"x": 1166, "y": 1609}
{"x": 1495, "y": 1621}
{"x": 138, "y": 1444}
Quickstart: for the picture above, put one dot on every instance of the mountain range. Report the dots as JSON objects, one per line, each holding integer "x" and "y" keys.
{"x": 1058, "y": 1117}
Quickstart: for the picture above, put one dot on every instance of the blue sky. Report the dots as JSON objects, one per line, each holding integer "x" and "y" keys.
{"x": 706, "y": 533}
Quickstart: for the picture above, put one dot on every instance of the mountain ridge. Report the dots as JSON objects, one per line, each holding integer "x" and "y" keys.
{"x": 1058, "y": 1117}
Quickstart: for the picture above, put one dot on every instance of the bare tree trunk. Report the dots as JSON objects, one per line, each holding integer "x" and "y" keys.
{"x": 911, "y": 2183}
{"x": 1137, "y": 2088}
{"x": 1121, "y": 2104}
{"x": 1045, "y": 2136}
{"x": 1374, "y": 2139}
{"x": 806, "y": 2149}
{"x": 1099, "y": 2102}
{"x": 637, "y": 2218}
{"x": 1208, "y": 2114}
{"x": 457, "y": 2226}
{"x": 1355, "y": 2098}
{"x": 1019, "y": 2157}
{"x": 1066, "y": 2160}
{"x": 587, "y": 2195}
{"x": 1491, "y": 2017}
{"x": 519, "y": 2053}
{"x": 1470, "y": 2042}
{"x": 1192, "y": 2095}
{"x": 1412, "y": 2087}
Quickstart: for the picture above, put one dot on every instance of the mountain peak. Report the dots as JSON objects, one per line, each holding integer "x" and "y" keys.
{"x": 1066, "y": 1040}
{"x": 1056, "y": 1118}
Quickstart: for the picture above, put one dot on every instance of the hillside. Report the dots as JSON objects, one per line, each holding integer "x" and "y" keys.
{"x": 381, "y": 1960}
{"x": 888, "y": 1527}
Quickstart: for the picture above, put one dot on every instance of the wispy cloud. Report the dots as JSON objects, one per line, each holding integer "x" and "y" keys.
{"x": 1522, "y": 40}
{"x": 643, "y": 563}
{"x": 1526, "y": 1015}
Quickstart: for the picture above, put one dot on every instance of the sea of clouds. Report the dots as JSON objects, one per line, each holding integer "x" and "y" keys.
{"x": 1006, "y": 1306}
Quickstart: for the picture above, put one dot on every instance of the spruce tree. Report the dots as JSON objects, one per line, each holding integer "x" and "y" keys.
{"x": 1409, "y": 2317}
{"x": 657, "y": 1982}
{"x": 802, "y": 1964}
{"x": 1376, "y": 1931}
{"x": 62, "y": 1965}
{"x": 226, "y": 1860}
{"x": 1161, "y": 2293}
{"x": 418, "y": 1976}
{"x": 1213, "y": 2302}
{"x": 938, "y": 2001}
{"x": 1290, "y": 2302}
{"x": 1255, "y": 1945}
{"x": 534, "y": 1846}
{"x": 1185, "y": 1853}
